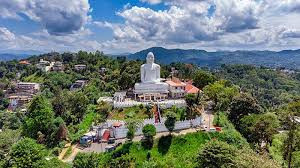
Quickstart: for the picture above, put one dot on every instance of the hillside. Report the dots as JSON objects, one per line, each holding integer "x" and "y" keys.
{"x": 8, "y": 57}
{"x": 286, "y": 58}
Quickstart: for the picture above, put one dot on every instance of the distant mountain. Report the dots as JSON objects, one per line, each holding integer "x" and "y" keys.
{"x": 286, "y": 58}
{"x": 8, "y": 56}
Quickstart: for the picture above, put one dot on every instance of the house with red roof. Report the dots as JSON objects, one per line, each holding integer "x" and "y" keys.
{"x": 191, "y": 89}
{"x": 176, "y": 88}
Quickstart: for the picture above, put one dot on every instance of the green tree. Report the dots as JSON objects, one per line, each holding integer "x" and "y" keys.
{"x": 78, "y": 103}
{"x": 216, "y": 154}
{"x": 291, "y": 121}
{"x": 86, "y": 160}
{"x": 60, "y": 104}
{"x": 7, "y": 139}
{"x": 266, "y": 127}
{"x": 120, "y": 162}
{"x": 170, "y": 121}
{"x": 221, "y": 92}
{"x": 149, "y": 132}
{"x": 27, "y": 153}
{"x": 192, "y": 102}
{"x": 103, "y": 109}
{"x": 202, "y": 78}
{"x": 132, "y": 125}
{"x": 241, "y": 106}
{"x": 259, "y": 128}
{"x": 40, "y": 118}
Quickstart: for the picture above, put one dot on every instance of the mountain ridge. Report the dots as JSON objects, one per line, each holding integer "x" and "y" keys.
{"x": 285, "y": 58}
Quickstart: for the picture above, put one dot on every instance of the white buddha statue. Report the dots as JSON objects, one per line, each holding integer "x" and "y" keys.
{"x": 150, "y": 78}
{"x": 150, "y": 72}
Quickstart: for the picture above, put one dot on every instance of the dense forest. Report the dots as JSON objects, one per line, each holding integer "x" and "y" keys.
{"x": 257, "y": 108}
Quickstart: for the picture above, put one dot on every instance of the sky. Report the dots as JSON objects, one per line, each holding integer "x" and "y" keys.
{"x": 122, "y": 26}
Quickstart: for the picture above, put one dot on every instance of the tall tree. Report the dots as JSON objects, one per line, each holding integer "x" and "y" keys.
{"x": 40, "y": 117}
{"x": 202, "y": 78}
{"x": 221, "y": 92}
{"x": 241, "y": 106}
{"x": 27, "y": 153}
{"x": 170, "y": 121}
{"x": 292, "y": 122}
{"x": 78, "y": 106}
{"x": 149, "y": 132}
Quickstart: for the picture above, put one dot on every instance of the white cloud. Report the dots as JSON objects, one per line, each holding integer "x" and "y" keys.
{"x": 153, "y": 2}
{"x": 58, "y": 17}
{"x": 6, "y": 35}
{"x": 212, "y": 24}
{"x": 43, "y": 41}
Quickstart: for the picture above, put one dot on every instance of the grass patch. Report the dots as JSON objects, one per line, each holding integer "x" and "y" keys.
{"x": 34, "y": 78}
{"x": 136, "y": 112}
{"x": 168, "y": 151}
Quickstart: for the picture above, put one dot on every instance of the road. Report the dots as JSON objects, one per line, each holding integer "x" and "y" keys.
{"x": 208, "y": 118}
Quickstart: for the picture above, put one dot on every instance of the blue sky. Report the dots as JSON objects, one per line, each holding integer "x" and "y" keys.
{"x": 116, "y": 26}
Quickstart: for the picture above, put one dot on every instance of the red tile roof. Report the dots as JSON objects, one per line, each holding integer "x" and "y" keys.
{"x": 191, "y": 89}
{"x": 24, "y": 62}
{"x": 171, "y": 83}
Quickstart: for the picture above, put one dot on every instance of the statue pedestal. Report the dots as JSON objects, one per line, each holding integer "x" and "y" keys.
{"x": 147, "y": 92}
{"x": 142, "y": 88}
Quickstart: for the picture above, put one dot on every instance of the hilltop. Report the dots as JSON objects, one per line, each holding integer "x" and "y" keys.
{"x": 287, "y": 58}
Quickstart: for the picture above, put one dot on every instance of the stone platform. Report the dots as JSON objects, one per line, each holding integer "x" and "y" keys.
{"x": 144, "y": 88}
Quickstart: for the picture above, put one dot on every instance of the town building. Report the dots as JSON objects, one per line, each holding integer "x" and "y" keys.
{"x": 57, "y": 66}
{"x": 191, "y": 89}
{"x": 79, "y": 84}
{"x": 28, "y": 87}
{"x": 80, "y": 67}
{"x": 176, "y": 88}
{"x": 44, "y": 66}
{"x": 19, "y": 100}
{"x": 174, "y": 72}
{"x": 24, "y": 62}
{"x": 120, "y": 96}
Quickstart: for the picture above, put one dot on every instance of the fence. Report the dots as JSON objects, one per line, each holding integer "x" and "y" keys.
{"x": 121, "y": 132}
{"x": 163, "y": 104}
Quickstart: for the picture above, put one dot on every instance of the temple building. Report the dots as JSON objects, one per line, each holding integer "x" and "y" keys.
{"x": 176, "y": 88}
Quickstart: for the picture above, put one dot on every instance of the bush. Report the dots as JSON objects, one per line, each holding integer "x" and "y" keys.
{"x": 87, "y": 160}
{"x": 216, "y": 154}
{"x": 149, "y": 130}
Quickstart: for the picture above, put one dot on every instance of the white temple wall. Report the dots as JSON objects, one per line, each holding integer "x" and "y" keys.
{"x": 121, "y": 132}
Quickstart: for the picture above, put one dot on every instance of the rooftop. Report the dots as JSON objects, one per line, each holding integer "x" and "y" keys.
{"x": 175, "y": 82}
{"x": 191, "y": 89}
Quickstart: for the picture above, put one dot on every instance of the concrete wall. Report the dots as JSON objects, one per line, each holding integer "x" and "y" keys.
{"x": 121, "y": 132}
{"x": 163, "y": 104}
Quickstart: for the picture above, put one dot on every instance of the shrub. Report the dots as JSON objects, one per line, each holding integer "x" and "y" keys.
{"x": 149, "y": 130}
{"x": 216, "y": 154}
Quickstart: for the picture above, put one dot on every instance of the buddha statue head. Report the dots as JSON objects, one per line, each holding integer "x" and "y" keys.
{"x": 150, "y": 58}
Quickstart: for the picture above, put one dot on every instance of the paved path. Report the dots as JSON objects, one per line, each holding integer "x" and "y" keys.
{"x": 208, "y": 119}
